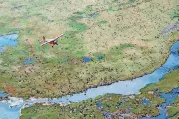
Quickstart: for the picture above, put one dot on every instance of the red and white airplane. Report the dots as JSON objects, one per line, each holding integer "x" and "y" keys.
{"x": 52, "y": 42}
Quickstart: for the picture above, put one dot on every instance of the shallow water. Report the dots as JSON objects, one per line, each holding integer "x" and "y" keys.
{"x": 8, "y": 40}
{"x": 2, "y": 94}
{"x": 100, "y": 57}
{"x": 146, "y": 101}
{"x": 86, "y": 59}
{"x": 169, "y": 99}
{"x": 29, "y": 61}
{"x": 8, "y": 112}
{"x": 169, "y": 29}
{"x": 122, "y": 87}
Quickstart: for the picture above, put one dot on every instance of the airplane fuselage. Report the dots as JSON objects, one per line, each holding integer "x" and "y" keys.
{"x": 52, "y": 42}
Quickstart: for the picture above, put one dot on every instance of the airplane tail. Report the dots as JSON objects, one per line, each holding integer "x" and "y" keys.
{"x": 43, "y": 39}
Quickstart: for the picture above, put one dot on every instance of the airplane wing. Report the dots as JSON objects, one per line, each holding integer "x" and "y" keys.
{"x": 50, "y": 40}
{"x": 47, "y": 41}
{"x": 44, "y": 43}
{"x": 59, "y": 36}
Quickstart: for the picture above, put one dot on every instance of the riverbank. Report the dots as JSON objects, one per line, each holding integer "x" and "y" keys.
{"x": 123, "y": 87}
{"x": 94, "y": 86}
{"x": 60, "y": 71}
{"x": 114, "y": 104}
{"x": 130, "y": 46}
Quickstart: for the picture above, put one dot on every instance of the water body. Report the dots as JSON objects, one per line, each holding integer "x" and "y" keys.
{"x": 86, "y": 59}
{"x": 146, "y": 101}
{"x": 122, "y": 87}
{"x": 8, "y": 112}
{"x": 169, "y": 99}
{"x": 86, "y": 15}
{"x": 29, "y": 61}
{"x": 8, "y": 40}
{"x": 2, "y": 94}
{"x": 171, "y": 28}
{"x": 100, "y": 57}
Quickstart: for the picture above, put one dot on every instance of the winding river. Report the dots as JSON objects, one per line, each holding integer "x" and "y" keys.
{"x": 10, "y": 109}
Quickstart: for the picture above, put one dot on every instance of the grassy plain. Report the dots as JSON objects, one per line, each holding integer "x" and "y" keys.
{"x": 126, "y": 33}
{"x": 112, "y": 103}
{"x": 173, "y": 110}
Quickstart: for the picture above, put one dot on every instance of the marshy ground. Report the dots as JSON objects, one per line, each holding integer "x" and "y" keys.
{"x": 127, "y": 35}
{"x": 116, "y": 106}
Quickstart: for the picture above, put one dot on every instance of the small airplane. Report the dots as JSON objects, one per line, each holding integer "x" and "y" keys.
{"x": 52, "y": 42}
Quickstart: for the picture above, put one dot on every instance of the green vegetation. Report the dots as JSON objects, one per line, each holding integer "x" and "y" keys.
{"x": 124, "y": 41}
{"x": 102, "y": 22}
{"x": 131, "y": 0}
{"x": 165, "y": 85}
{"x": 75, "y": 25}
{"x": 75, "y": 110}
{"x": 177, "y": 101}
{"x": 176, "y": 13}
{"x": 115, "y": 104}
{"x": 176, "y": 116}
{"x": 173, "y": 110}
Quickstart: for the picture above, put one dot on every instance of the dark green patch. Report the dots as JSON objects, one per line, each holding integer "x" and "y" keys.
{"x": 103, "y": 22}
{"x": 120, "y": 48}
{"x": 132, "y": 1}
{"x": 78, "y": 26}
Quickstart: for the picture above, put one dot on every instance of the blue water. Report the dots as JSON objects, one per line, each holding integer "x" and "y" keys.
{"x": 8, "y": 112}
{"x": 100, "y": 57}
{"x": 106, "y": 115}
{"x": 122, "y": 87}
{"x": 30, "y": 60}
{"x": 171, "y": 28}
{"x": 146, "y": 101}
{"x": 86, "y": 59}
{"x": 99, "y": 105}
{"x": 94, "y": 15}
{"x": 2, "y": 94}
{"x": 8, "y": 40}
{"x": 169, "y": 99}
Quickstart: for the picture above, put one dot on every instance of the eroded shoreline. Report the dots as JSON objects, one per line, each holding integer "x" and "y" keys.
{"x": 168, "y": 66}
